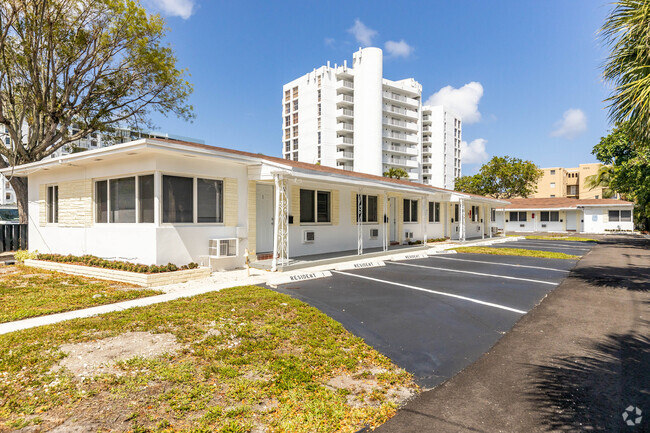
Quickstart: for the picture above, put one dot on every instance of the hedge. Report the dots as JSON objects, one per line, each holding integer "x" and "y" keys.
{"x": 98, "y": 262}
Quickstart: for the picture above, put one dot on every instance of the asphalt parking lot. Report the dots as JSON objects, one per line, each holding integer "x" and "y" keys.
{"x": 434, "y": 316}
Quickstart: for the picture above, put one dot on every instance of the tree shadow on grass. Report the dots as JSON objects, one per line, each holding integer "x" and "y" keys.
{"x": 590, "y": 392}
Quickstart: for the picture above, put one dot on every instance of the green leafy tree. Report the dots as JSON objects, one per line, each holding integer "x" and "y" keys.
{"x": 502, "y": 177}
{"x": 627, "y": 32}
{"x": 396, "y": 173}
{"x": 601, "y": 179}
{"x": 91, "y": 64}
{"x": 630, "y": 173}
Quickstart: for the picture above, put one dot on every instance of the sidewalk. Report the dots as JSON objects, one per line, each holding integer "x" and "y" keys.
{"x": 218, "y": 281}
{"x": 574, "y": 363}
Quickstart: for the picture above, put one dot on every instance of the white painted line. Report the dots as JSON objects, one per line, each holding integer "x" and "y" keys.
{"x": 410, "y": 256}
{"x": 506, "y": 277}
{"x": 435, "y": 292}
{"x": 303, "y": 276}
{"x": 502, "y": 264}
{"x": 360, "y": 265}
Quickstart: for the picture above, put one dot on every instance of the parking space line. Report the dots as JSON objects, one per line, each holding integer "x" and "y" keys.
{"x": 507, "y": 277}
{"x": 499, "y": 264}
{"x": 435, "y": 292}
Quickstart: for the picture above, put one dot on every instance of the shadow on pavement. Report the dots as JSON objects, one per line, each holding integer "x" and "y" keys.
{"x": 590, "y": 393}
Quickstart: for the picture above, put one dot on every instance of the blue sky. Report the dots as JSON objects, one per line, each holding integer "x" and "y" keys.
{"x": 537, "y": 63}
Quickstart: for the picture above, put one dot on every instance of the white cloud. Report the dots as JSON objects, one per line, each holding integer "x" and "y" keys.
{"x": 398, "y": 49}
{"x": 462, "y": 102}
{"x": 361, "y": 33}
{"x": 474, "y": 152}
{"x": 175, "y": 8}
{"x": 573, "y": 123}
{"x": 329, "y": 42}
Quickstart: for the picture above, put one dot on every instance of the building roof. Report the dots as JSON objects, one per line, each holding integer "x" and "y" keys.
{"x": 26, "y": 169}
{"x": 562, "y": 203}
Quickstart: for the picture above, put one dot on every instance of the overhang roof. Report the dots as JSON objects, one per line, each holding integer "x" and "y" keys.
{"x": 246, "y": 157}
{"x": 561, "y": 203}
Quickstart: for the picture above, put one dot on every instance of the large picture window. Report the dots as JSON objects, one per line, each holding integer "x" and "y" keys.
{"x": 53, "y": 204}
{"x": 410, "y": 211}
{"x": 550, "y": 216}
{"x": 115, "y": 200}
{"x": 434, "y": 212}
{"x": 178, "y": 199}
{"x": 620, "y": 216}
{"x": 315, "y": 206}
{"x": 517, "y": 216}
{"x": 369, "y": 211}
{"x": 209, "y": 195}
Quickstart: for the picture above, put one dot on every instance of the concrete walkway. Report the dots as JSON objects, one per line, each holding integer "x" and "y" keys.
{"x": 218, "y": 281}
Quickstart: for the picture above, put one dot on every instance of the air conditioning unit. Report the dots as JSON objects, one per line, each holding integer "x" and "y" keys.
{"x": 221, "y": 248}
{"x": 374, "y": 233}
{"x": 308, "y": 236}
{"x": 408, "y": 235}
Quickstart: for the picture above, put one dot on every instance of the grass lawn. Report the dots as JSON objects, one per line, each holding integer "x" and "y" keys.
{"x": 242, "y": 359}
{"x": 29, "y": 292}
{"x": 562, "y": 238}
{"x": 514, "y": 252}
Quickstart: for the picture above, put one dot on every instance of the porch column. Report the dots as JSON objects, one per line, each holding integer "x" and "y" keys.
{"x": 360, "y": 222}
{"x": 281, "y": 226}
{"x": 482, "y": 219}
{"x": 461, "y": 210}
{"x": 490, "y": 223}
{"x": 385, "y": 222}
{"x": 424, "y": 212}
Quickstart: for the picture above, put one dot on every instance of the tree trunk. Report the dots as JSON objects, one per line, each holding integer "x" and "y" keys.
{"x": 19, "y": 184}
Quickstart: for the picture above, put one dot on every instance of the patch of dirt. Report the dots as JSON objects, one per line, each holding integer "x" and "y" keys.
{"x": 361, "y": 387}
{"x": 96, "y": 357}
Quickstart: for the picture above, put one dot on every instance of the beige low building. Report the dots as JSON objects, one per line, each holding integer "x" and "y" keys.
{"x": 560, "y": 182}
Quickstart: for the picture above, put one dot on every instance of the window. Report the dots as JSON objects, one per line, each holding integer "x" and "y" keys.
{"x": 456, "y": 212}
{"x": 295, "y": 144}
{"x": 319, "y": 137}
{"x": 295, "y": 131}
{"x": 493, "y": 215}
{"x": 596, "y": 196}
{"x": 8, "y": 196}
{"x": 295, "y": 105}
{"x": 552, "y": 172}
{"x": 209, "y": 200}
{"x": 622, "y": 216}
{"x": 287, "y": 146}
{"x": 295, "y": 117}
{"x": 287, "y": 95}
{"x": 53, "y": 204}
{"x": 287, "y": 108}
{"x": 319, "y": 151}
{"x": 518, "y": 216}
{"x": 319, "y": 109}
{"x": 287, "y": 133}
{"x": 552, "y": 184}
{"x": 178, "y": 199}
{"x": 122, "y": 200}
{"x": 552, "y": 195}
{"x": 101, "y": 201}
{"x": 368, "y": 208}
{"x": 434, "y": 212}
{"x": 319, "y": 91}
{"x": 146, "y": 199}
{"x": 474, "y": 215}
{"x": 295, "y": 92}
{"x": 410, "y": 211}
{"x": 314, "y": 206}
{"x": 549, "y": 216}
{"x": 287, "y": 120}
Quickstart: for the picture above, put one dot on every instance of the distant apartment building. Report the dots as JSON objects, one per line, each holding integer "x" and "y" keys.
{"x": 441, "y": 138}
{"x": 352, "y": 118}
{"x": 94, "y": 140}
{"x": 568, "y": 182}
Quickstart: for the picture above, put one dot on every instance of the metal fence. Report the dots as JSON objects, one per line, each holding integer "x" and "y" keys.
{"x": 13, "y": 237}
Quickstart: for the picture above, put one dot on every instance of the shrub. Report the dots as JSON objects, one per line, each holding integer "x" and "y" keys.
{"x": 97, "y": 262}
{"x": 22, "y": 255}
{"x": 436, "y": 240}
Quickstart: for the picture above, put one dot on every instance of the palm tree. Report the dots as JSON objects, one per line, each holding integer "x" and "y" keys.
{"x": 396, "y": 173}
{"x": 627, "y": 32}
{"x": 602, "y": 180}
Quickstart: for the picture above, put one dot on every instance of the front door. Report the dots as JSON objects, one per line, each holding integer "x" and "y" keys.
{"x": 264, "y": 218}
{"x": 393, "y": 219}
{"x": 571, "y": 221}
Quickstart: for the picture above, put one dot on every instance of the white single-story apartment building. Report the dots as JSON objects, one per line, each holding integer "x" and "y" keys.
{"x": 566, "y": 215}
{"x": 155, "y": 201}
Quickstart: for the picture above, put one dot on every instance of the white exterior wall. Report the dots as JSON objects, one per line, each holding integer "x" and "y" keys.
{"x": 146, "y": 243}
{"x": 597, "y": 220}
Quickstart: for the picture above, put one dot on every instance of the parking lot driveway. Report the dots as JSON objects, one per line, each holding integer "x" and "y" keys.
{"x": 434, "y": 316}
{"x": 567, "y": 247}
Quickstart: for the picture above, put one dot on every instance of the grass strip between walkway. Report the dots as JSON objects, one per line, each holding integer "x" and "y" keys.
{"x": 561, "y": 238}
{"x": 236, "y": 360}
{"x": 515, "y": 252}
{"x": 30, "y": 292}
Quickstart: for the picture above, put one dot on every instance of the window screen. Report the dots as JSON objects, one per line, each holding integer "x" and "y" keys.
{"x": 178, "y": 199}
{"x": 323, "y": 207}
{"x": 101, "y": 201}
{"x": 307, "y": 207}
{"x": 209, "y": 201}
{"x": 122, "y": 197}
{"x": 145, "y": 197}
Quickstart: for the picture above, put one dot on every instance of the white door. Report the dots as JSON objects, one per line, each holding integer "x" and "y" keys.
{"x": 264, "y": 218}
{"x": 393, "y": 219}
{"x": 571, "y": 223}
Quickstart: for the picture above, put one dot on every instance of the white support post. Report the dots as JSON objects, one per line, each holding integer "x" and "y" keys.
{"x": 425, "y": 211}
{"x": 360, "y": 222}
{"x": 490, "y": 223}
{"x": 281, "y": 226}
{"x": 385, "y": 222}
{"x": 483, "y": 220}
{"x": 461, "y": 223}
